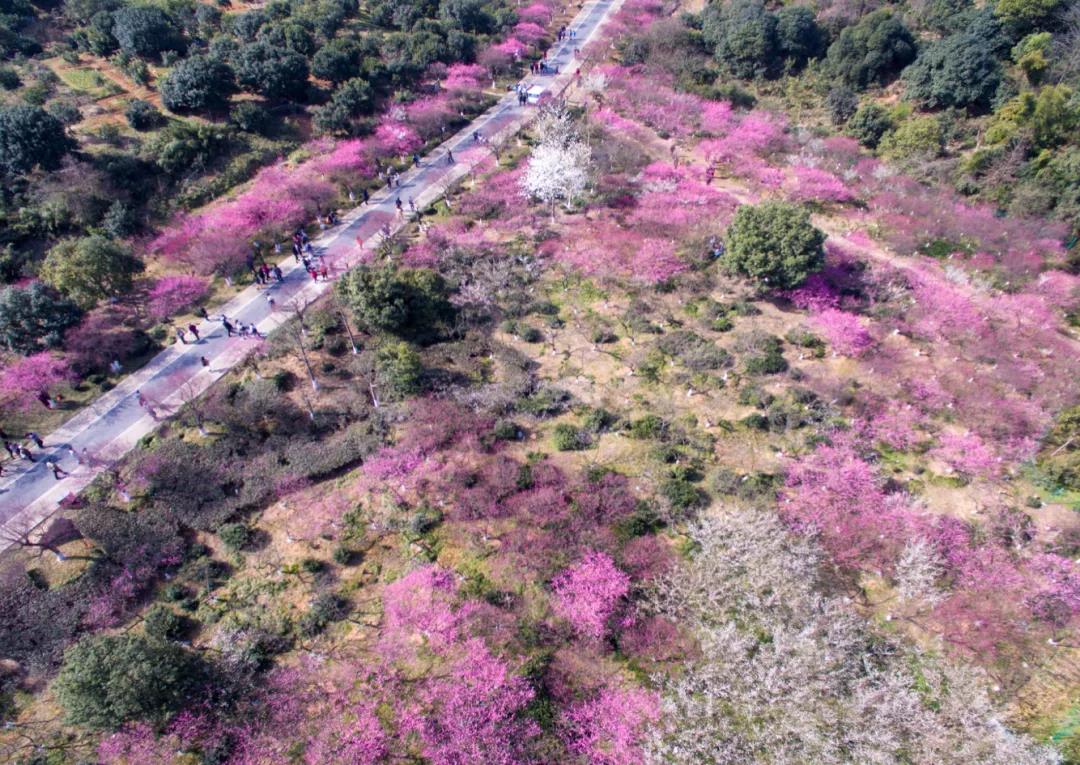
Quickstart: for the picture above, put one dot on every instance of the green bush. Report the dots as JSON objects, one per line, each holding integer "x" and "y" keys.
{"x": 325, "y": 609}
{"x": 34, "y": 318}
{"x": 398, "y": 370}
{"x": 91, "y": 269}
{"x": 411, "y": 303}
{"x": 163, "y": 623}
{"x": 649, "y": 427}
{"x": 775, "y": 243}
{"x": 142, "y": 115}
{"x": 914, "y": 138}
{"x": 567, "y": 438}
{"x": 198, "y": 83}
{"x": 682, "y": 493}
{"x": 109, "y": 680}
{"x": 30, "y": 137}
{"x": 250, "y": 117}
{"x": 958, "y": 71}
{"x": 869, "y": 125}
{"x": 841, "y": 103}
{"x": 235, "y": 536}
{"x": 506, "y": 430}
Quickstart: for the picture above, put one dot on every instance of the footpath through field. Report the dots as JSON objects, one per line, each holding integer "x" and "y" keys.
{"x": 109, "y": 427}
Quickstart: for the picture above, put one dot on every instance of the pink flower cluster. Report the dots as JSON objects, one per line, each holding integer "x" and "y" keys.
{"x": 174, "y": 293}
{"x": 588, "y": 594}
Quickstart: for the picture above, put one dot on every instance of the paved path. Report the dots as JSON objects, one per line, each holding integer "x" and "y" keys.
{"x": 113, "y": 424}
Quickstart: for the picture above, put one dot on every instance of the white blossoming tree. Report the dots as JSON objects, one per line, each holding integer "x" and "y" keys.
{"x": 558, "y": 168}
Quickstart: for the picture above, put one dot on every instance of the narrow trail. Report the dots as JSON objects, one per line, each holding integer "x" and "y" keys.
{"x": 113, "y": 424}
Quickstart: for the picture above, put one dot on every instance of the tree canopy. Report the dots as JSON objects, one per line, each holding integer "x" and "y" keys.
{"x": 34, "y": 318}
{"x": 30, "y": 137}
{"x": 957, "y": 71}
{"x": 775, "y": 243}
{"x": 411, "y": 303}
{"x": 274, "y": 73}
{"x": 91, "y": 269}
{"x": 145, "y": 30}
{"x": 197, "y": 83}
{"x": 107, "y": 680}
{"x": 872, "y": 51}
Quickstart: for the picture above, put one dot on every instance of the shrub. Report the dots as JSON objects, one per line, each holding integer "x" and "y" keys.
{"x": 869, "y": 125}
{"x": 567, "y": 438}
{"x": 249, "y": 117}
{"x": 599, "y": 420}
{"x": 399, "y": 370}
{"x": 681, "y": 493}
{"x": 9, "y": 78}
{"x": 915, "y": 138}
{"x": 235, "y": 536}
{"x": 648, "y": 427}
{"x": 841, "y": 103}
{"x": 273, "y": 72}
{"x": 774, "y": 242}
{"x": 743, "y": 36}
{"x": 506, "y": 430}
{"x": 162, "y": 623}
{"x": 108, "y": 680}
{"x": 325, "y": 609}
{"x": 142, "y": 115}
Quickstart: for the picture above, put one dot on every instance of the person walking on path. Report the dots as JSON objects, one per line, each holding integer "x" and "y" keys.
{"x": 204, "y": 361}
{"x": 25, "y": 453}
{"x": 57, "y": 471}
{"x": 449, "y": 157}
{"x": 12, "y": 451}
{"x": 36, "y": 439}
{"x": 364, "y": 197}
{"x": 46, "y": 400}
{"x": 229, "y": 329}
{"x": 141, "y": 399}
{"x": 194, "y": 331}
{"x": 324, "y": 272}
{"x": 270, "y": 301}
{"x": 278, "y": 275}
{"x": 203, "y": 313}
{"x": 181, "y": 336}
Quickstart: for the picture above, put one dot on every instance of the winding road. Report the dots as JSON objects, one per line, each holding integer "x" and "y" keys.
{"x": 109, "y": 427}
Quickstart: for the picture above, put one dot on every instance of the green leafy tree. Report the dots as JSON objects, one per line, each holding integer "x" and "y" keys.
{"x": 1055, "y": 118}
{"x": 145, "y": 30}
{"x": 411, "y": 303}
{"x": 142, "y": 115}
{"x": 118, "y": 220}
{"x": 468, "y": 15}
{"x": 872, "y": 51}
{"x": 30, "y": 137}
{"x": 1032, "y": 55}
{"x": 743, "y": 37}
{"x": 869, "y": 124}
{"x": 957, "y": 71}
{"x": 1026, "y": 14}
{"x": 34, "y": 318}
{"x": 798, "y": 36}
{"x": 355, "y": 97}
{"x": 90, "y": 269}
{"x": 275, "y": 73}
{"x": 918, "y": 137}
{"x": 197, "y": 83}
{"x": 398, "y": 370}
{"x": 775, "y": 243}
{"x": 337, "y": 61}
{"x": 108, "y": 680}
{"x": 250, "y": 117}
{"x": 842, "y": 104}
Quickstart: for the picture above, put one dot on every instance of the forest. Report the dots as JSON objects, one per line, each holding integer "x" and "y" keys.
{"x": 725, "y": 413}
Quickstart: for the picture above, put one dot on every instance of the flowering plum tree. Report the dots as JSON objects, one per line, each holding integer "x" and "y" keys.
{"x": 24, "y": 380}
{"x": 610, "y": 728}
{"x": 588, "y": 593}
{"x": 174, "y": 293}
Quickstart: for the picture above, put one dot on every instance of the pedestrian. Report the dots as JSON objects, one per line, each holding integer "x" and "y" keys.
{"x": 25, "y": 453}
{"x": 194, "y": 331}
{"x": 270, "y": 300}
{"x": 229, "y": 329}
{"x": 412, "y": 205}
{"x": 278, "y": 275}
{"x": 181, "y": 336}
{"x": 324, "y": 272}
{"x": 296, "y": 251}
{"x": 449, "y": 157}
{"x": 476, "y": 136}
{"x": 204, "y": 361}
{"x": 115, "y": 366}
{"x": 203, "y": 313}
{"x": 416, "y": 159}
{"x": 12, "y": 452}
{"x": 141, "y": 399}
{"x": 365, "y": 196}
{"x": 254, "y": 331}
{"x": 390, "y": 181}
{"x": 74, "y": 454}
{"x": 242, "y": 329}
{"x": 259, "y": 278}
{"x": 36, "y": 439}
{"x": 57, "y": 471}
{"x": 313, "y": 273}
{"x": 45, "y": 400}
{"x": 308, "y": 248}
{"x": 397, "y": 204}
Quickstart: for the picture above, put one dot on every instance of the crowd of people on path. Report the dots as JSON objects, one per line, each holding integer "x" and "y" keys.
{"x": 18, "y": 451}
